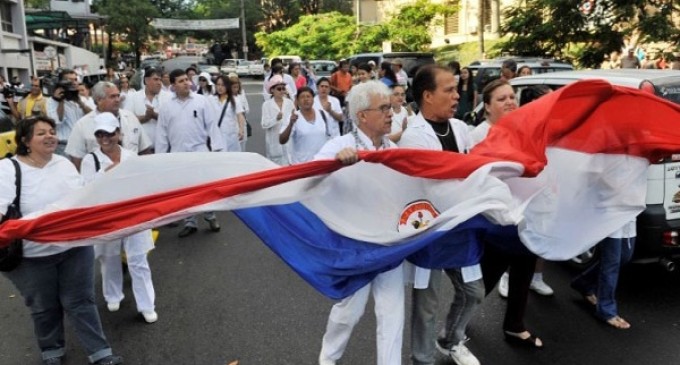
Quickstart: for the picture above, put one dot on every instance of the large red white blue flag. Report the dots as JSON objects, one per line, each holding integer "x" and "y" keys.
{"x": 561, "y": 173}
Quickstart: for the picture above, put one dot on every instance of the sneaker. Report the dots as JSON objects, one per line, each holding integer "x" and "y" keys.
{"x": 214, "y": 225}
{"x": 503, "y": 285}
{"x": 187, "y": 231}
{"x": 325, "y": 361}
{"x": 113, "y": 306}
{"x": 150, "y": 316}
{"x": 109, "y": 360}
{"x": 459, "y": 353}
{"x": 540, "y": 287}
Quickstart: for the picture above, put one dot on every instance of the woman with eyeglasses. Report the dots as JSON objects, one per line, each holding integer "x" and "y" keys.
{"x": 205, "y": 84}
{"x": 105, "y": 157}
{"x": 276, "y": 109}
{"x": 308, "y": 128}
{"x": 55, "y": 280}
{"x": 230, "y": 119}
{"x": 400, "y": 114}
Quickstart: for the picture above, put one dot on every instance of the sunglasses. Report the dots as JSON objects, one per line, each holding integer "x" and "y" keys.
{"x": 280, "y": 88}
{"x": 202, "y": 79}
{"x": 102, "y": 134}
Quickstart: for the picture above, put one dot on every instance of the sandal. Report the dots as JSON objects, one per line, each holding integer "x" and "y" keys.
{"x": 517, "y": 339}
{"x": 618, "y": 323}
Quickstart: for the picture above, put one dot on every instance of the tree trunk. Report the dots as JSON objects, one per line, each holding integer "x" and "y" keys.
{"x": 480, "y": 28}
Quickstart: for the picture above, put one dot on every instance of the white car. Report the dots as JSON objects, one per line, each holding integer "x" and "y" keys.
{"x": 243, "y": 68}
{"x": 256, "y": 68}
{"x": 658, "y": 226}
{"x": 229, "y": 65}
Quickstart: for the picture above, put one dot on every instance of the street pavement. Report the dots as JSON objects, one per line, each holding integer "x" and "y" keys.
{"x": 225, "y": 297}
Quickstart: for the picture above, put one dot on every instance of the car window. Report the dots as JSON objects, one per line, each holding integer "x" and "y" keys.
{"x": 668, "y": 90}
{"x": 412, "y": 64}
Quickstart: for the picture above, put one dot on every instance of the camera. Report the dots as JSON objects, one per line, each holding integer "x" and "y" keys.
{"x": 70, "y": 91}
{"x": 10, "y": 91}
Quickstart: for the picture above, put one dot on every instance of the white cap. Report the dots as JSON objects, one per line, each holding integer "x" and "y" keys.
{"x": 106, "y": 122}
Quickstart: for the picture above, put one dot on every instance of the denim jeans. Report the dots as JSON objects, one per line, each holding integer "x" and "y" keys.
{"x": 467, "y": 298}
{"x": 190, "y": 221}
{"x": 602, "y": 277}
{"x": 58, "y": 284}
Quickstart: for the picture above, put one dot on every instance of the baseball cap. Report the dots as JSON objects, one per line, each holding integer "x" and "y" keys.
{"x": 106, "y": 122}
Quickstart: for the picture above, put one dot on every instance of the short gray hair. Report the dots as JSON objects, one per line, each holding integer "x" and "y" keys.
{"x": 359, "y": 97}
{"x": 99, "y": 90}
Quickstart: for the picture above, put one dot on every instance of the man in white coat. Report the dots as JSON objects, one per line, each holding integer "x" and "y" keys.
{"x": 435, "y": 92}
{"x": 369, "y": 105}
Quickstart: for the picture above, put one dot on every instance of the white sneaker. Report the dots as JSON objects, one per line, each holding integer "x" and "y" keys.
{"x": 459, "y": 353}
{"x": 113, "y": 306}
{"x": 325, "y": 361}
{"x": 503, "y": 285}
{"x": 150, "y": 316}
{"x": 540, "y": 287}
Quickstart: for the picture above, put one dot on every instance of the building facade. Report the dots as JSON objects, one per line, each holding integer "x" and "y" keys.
{"x": 461, "y": 27}
{"x": 15, "y": 53}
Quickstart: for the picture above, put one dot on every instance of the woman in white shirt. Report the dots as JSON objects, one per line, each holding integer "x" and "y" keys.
{"x": 308, "y": 128}
{"x": 230, "y": 119}
{"x": 328, "y": 103}
{"x": 276, "y": 109}
{"x": 53, "y": 279}
{"x": 105, "y": 157}
{"x": 400, "y": 114}
{"x": 242, "y": 105}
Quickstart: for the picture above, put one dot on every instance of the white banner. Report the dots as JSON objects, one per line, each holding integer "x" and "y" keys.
{"x": 197, "y": 24}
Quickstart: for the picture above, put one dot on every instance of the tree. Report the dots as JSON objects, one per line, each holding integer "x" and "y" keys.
{"x": 38, "y": 4}
{"x": 334, "y": 35}
{"x": 543, "y": 27}
{"x": 130, "y": 19}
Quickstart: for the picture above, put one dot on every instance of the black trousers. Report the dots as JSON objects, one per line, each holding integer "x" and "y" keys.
{"x": 494, "y": 263}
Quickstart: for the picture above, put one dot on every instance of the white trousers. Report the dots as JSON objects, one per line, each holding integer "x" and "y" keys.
{"x": 142, "y": 286}
{"x": 388, "y": 294}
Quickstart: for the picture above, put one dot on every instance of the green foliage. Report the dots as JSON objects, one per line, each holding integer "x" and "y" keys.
{"x": 540, "y": 27}
{"x": 334, "y": 35}
{"x": 130, "y": 18}
{"x": 37, "y": 4}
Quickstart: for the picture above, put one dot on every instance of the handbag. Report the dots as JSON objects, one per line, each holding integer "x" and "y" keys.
{"x": 249, "y": 129}
{"x": 11, "y": 255}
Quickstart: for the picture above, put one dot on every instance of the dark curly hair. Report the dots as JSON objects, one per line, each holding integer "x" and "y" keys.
{"x": 25, "y": 129}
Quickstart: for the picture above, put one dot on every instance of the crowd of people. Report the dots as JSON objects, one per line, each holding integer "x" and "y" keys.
{"x": 72, "y": 138}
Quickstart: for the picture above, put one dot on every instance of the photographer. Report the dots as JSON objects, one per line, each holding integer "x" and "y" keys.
{"x": 64, "y": 108}
{"x": 5, "y": 89}
{"x": 73, "y": 100}
{"x": 33, "y": 104}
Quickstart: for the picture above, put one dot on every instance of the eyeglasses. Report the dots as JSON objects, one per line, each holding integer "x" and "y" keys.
{"x": 102, "y": 134}
{"x": 280, "y": 88}
{"x": 385, "y": 108}
{"x": 202, "y": 79}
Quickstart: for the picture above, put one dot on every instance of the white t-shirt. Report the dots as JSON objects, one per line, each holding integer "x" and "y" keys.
{"x": 82, "y": 140}
{"x": 307, "y": 138}
{"x": 40, "y": 187}
{"x": 398, "y": 120}
{"x": 137, "y": 102}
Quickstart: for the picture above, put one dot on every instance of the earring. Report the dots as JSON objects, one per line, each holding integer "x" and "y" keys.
{"x": 28, "y": 150}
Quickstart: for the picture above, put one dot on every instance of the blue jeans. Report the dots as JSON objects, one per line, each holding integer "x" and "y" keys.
{"x": 467, "y": 298}
{"x": 602, "y": 277}
{"x": 58, "y": 284}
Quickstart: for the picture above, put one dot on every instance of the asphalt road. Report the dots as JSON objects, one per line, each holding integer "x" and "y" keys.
{"x": 224, "y": 296}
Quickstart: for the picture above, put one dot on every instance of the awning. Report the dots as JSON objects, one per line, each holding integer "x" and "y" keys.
{"x": 45, "y": 19}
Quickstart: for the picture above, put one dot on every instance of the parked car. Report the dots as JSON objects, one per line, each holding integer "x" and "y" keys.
{"x": 256, "y": 68}
{"x": 487, "y": 70}
{"x": 229, "y": 65}
{"x": 243, "y": 68}
{"x": 658, "y": 227}
{"x": 287, "y": 60}
{"x": 323, "y": 68}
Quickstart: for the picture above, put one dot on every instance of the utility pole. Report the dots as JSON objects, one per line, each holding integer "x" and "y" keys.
{"x": 243, "y": 31}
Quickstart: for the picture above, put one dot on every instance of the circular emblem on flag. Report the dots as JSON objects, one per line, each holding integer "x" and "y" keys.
{"x": 417, "y": 215}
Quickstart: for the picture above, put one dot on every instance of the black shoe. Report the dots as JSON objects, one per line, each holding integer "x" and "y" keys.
{"x": 187, "y": 231}
{"x": 214, "y": 225}
{"x": 109, "y": 360}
